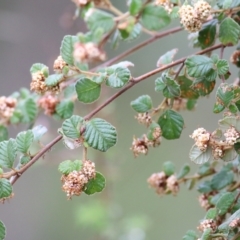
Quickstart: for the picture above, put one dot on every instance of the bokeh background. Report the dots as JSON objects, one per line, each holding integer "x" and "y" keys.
{"x": 30, "y": 32}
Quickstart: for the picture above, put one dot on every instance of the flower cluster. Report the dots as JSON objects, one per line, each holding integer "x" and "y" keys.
{"x": 203, "y": 200}
{"x": 88, "y": 52}
{"x": 141, "y": 145}
{"x": 82, "y": 3}
{"x": 144, "y": 118}
{"x": 231, "y": 136}
{"x": 207, "y": 224}
{"x": 59, "y": 64}
{"x": 74, "y": 183}
{"x": 48, "y": 103}
{"x": 201, "y": 137}
{"x": 39, "y": 86}
{"x": 7, "y": 107}
{"x": 235, "y": 223}
{"x": 163, "y": 183}
{"x": 166, "y": 4}
{"x": 192, "y": 18}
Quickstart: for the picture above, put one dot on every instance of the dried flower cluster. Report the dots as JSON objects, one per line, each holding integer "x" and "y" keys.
{"x": 7, "y": 107}
{"x": 144, "y": 118}
{"x": 59, "y": 64}
{"x": 141, "y": 145}
{"x": 48, "y": 103}
{"x": 179, "y": 104}
{"x": 201, "y": 137}
{"x": 74, "y": 183}
{"x": 88, "y": 52}
{"x": 207, "y": 224}
{"x": 235, "y": 223}
{"x": 192, "y": 18}
{"x": 39, "y": 86}
{"x": 235, "y": 58}
{"x": 203, "y": 200}
{"x": 166, "y": 4}
{"x": 163, "y": 183}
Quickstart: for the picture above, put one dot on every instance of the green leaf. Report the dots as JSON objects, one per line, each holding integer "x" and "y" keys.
{"x": 2, "y": 231}
{"x": 222, "y": 66}
{"x": 229, "y": 121}
{"x": 5, "y": 188}
{"x": 191, "y": 103}
{"x": 198, "y": 65}
{"x": 206, "y": 234}
{"x": 186, "y": 88}
{"x": 174, "y": 12}
{"x": 119, "y": 77}
{"x": 225, "y": 202}
{"x": 204, "y": 187}
{"x": 87, "y": 90}
{"x": 68, "y": 166}
{"x": 53, "y": 80}
{"x": 67, "y": 48}
{"x": 183, "y": 171}
{"x": 218, "y": 108}
{"x": 171, "y": 124}
{"x": 36, "y": 67}
{"x": 224, "y": 94}
{"x": 154, "y": 17}
{"x": 168, "y": 168}
{"x": 229, "y": 31}
{"x": 24, "y": 141}
{"x": 8, "y": 153}
{"x": 167, "y": 58}
{"x": 29, "y": 110}
{"x": 198, "y": 156}
{"x": 206, "y": 35}
{"x": 24, "y": 159}
{"x": 100, "y": 134}
{"x": 221, "y": 179}
{"x": 211, "y": 213}
{"x": 168, "y": 86}
{"x": 135, "y": 6}
{"x": 38, "y": 132}
{"x": 229, "y": 155}
{"x": 204, "y": 169}
{"x": 100, "y": 19}
{"x": 204, "y": 87}
{"x": 65, "y": 109}
{"x": 142, "y": 104}
{"x": 3, "y": 133}
{"x": 95, "y": 185}
{"x": 190, "y": 235}
{"x": 225, "y": 226}
{"x": 233, "y": 108}
{"x": 71, "y": 127}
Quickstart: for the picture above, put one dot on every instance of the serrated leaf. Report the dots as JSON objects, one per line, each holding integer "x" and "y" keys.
{"x": 135, "y": 6}
{"x": 167, "y": 58}
{"x": 36, "y": 67}
{"x": 204, "y": 87}
{"x": 71, "y": 127}
{"x": 8, "y": 153}
{"x": 225, "y": 225}
{"x": 3, "y": 133}
{"x": 211, "y": 213}
{"x": 5, "y": 188}
{"x": 206, "y": 234}
{"x": 95, "y": 185}
{"x": 198, "y": 156}
{"x": 29, "y": 110}
{"x": 53, "y": 80}
{"x": 2, "y": 231}
{"x": 100, "y": 134}
{"x": 233, "y": 108}
{"x": 24, "y": 141}
{"x": 204, "y": 187}
{"x": 65, "y": 109}
{"x": 171, "y": 124}
{"x": 119, "y": 77}
{"x": 69, "y": 91}
{"x": 229, "y": 31}
{"x": 229, "y": 155}
{"x": 87, "y": 90}
{"x": 198, "y": 65}
{"x": 229, "y": 121}
{"x": 154, "y": 17}
{"x": 190, "y": 235}
{"x": 24, "y": 159}
{"x": 224, "y": 203}
{"x": 224, "y": 94}
{"x": 168, "y": 86}
{"x": 168, "y": 168}
{"x": 66, "y": 49}
{"x": 206, "y": 35}
{"x": 191, "y": 103}
{"x": 100, "y": 19}
{"x": 222, "y": 66}
{"x": 183, "y": 171}
{"x": 68, "y": 166}
{"x": 135, "y": 32}
{"x": 174, "y": 12}
{"x": 221, "y": 179}
{"x": 142, "y": 104}
{"x": 186, "y": 88}
{"x": 38, "y": 132}
{"x": 218, "y": 108}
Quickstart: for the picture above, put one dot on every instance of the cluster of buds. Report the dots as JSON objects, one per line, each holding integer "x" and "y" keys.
{"x": 178, "y": 104}
{"x": 192, "y": 18}
{"x": 39, "y": 86}
{"x": 201, "y": 137}
{"x": 48, "y": 103}
{"x": 203, "y": 200}
{"x": 7, "y": 107}
{"x": 83, "y": 3}
{"x": 144, "y": 118}
{"x": 163, "y": 183}
{"x": 235, "y": 223}
{"x": 207, "y": 224}
{"x": 235, "y": 58}
{"x": 74, "y": 183}
{"x": 59, "y": 64}
{"x": 88, "y": 52}
{"x": 231, "y": 136}
{"x": 166, "y": 4}
{"x": 141, "y": 145}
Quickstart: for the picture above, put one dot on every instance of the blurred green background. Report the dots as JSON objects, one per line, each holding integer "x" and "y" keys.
{"x": 31, "y": 31}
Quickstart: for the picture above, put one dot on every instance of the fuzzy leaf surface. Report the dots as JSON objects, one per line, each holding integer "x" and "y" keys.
{"x": 96, "y": 184}
{"x": 198, "y": 156}
{"x": 2, "y": 231}
{"x": 3, "y": 133}
{"x": 8, "y": 153}
{"x": 225, "y": 202}
{"x": 53, "y": 80}
{"x": 71, "y": 127}
{"x": 68, "y": 166}
{"x": 65, "y": 109}
{"x": 24, "y": 141}
{"x": 5, "y": 188}
{"x": 142, "y": 104}
{"x": 119, "y": 77}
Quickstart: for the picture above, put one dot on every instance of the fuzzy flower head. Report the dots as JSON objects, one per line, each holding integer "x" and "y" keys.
{"x": 172, "y": 184}
{"x": 166, "y": 4}
{"x": 7, "y": 107}
{"x": 144, "y": 118}
{"x": 201, "y": 137}
{"x": 204, "y": 202}
{"x": 139, "y": 146}
{"x": 203, "y": 9}
{"x": 48, "y": 103}
{"x": 59, "y": 64}
{"x": 207, "y": 224}
{"x": 231, "y": 136}
{"x": 234, "y": 223}
{"x": 158, "y": 181}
